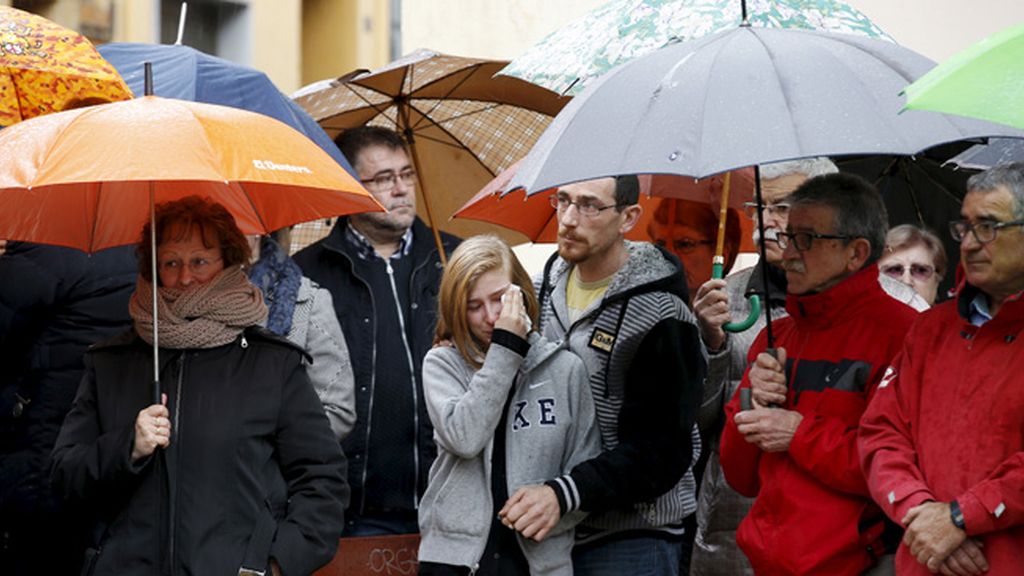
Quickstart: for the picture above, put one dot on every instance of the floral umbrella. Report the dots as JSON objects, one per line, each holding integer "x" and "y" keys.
{"x": 621, "y": 30}
{"x": 48, "y": 68}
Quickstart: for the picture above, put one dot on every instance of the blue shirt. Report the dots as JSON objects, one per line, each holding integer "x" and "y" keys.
{"x": 978, "y": 310}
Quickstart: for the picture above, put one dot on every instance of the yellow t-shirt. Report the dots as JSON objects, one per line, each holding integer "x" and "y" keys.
{"x": 579, "y": 295}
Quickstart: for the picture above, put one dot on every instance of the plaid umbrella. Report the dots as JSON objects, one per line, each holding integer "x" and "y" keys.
{"x": 463, "y": 125}
{"x": 621, "y": 30}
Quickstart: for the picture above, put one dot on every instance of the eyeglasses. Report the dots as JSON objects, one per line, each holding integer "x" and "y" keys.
{"x": 197, "y": 266}
{"x": 918, "y": 271}
{"x": 387, "y": 180}
{"x": 984, "y": 231}
{"x": 802, "y": 241}
{"x": 778, "y": 209}
{"x": 585, "y": 206}
{"x": 684, "y": 245}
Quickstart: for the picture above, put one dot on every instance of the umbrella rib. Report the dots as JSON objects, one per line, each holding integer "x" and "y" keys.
{"x": 468, "y": 73}
{"x": 459, "y": 146}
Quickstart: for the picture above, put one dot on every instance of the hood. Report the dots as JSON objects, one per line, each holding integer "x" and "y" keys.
{"x": 649, "y": 268}
{"x": 540, "y": 350}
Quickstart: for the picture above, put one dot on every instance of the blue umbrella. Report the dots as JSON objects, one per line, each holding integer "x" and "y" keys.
{"x": 187, "y": 74}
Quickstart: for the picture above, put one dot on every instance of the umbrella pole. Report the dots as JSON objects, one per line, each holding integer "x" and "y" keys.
{"x": 764, "y": 256}
{"x": 426, "y": 200}
{"x": 718, "y": 264}
{"x": 155, "y": 279}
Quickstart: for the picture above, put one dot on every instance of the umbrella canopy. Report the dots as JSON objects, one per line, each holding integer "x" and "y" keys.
{"x": 46, "y": 68}
{"x": 464, "y": 126}
{"x": 984, "y": 81}
{"x": 619, "y": 31}
{"x": 995, "y": 151}
{"x": 534, "y": 216}
{"x": 84, "y": 178}
{"x": 739, "y": 98}
{"x": 185, "y": 73}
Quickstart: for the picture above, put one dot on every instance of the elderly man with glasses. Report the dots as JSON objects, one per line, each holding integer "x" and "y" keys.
{"x": 943, "y": 442}
{"x": 383, "y": 271}
{"x": 794, "y": 448}
{"x": 621, "y": 306}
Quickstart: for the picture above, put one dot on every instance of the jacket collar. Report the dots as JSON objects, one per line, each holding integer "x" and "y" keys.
{"x": 1012, "y": 309}
{"x": 422, "y": 245}
{"x": 649, "y": 268}
{"x": 825, "y": 308}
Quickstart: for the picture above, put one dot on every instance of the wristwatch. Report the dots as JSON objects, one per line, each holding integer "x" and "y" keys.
{"x": 956, "y": 515}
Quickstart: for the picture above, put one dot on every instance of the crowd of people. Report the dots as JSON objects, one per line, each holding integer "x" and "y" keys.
{"x": 600, "y": 418}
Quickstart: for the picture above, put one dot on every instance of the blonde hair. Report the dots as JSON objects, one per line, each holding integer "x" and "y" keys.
{"x": 473, "y": 258}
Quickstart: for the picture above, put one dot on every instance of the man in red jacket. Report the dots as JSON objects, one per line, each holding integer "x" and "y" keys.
{"x": 795, "y": 450}
{"x": 943, "y": 443}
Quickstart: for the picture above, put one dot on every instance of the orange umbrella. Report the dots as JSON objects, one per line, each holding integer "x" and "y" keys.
{"x": 84, "y": 178}
{"x": 89, "y": 178}
{"x": 48, "y": 68}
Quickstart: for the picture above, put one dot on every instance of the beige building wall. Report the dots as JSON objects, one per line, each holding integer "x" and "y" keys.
{"x": 339, "y": 36}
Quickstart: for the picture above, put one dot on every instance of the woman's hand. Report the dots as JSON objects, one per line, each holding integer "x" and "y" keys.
{"x": 152, "y": 429}
{"x": 513, "y": 316}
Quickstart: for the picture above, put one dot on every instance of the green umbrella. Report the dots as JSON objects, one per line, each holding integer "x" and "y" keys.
{"x": 622, "y": 30}
{"x": 984, "y": 81}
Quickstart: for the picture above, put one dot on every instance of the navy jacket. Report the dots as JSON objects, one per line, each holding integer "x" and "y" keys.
{"x": 330, "y": 263}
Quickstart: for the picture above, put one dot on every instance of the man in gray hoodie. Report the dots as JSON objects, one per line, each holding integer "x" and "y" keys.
{"x": 621, "y": 306}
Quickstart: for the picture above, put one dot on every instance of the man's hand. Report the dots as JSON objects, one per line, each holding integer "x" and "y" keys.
{"x": 931, "y": 535}
{"x": 152, "y": 429}
{"x": 711, "y": 304}
{"x": 770, "y": 429}
{"x": 967, "y": 560}
{"x": 532, "y": 511}
{"x": 768, "y": 379}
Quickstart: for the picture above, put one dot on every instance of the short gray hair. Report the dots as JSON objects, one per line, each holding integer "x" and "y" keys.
{"x": 1011, "y": 176}
{"x": 858, "y": 207}
{"x": 907, "y": 236}
{"x": 809, "y": 167}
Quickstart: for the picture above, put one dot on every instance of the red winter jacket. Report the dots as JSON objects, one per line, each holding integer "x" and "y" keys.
{"x": 949, "y": 424}
{"x": 813, "y": 514}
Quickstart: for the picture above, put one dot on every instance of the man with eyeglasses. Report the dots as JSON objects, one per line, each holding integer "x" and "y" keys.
{"x": 795, "y": 448}
{"x": 943, "y": 442}
{"x": 621, "y": 306}
{"x": 383, "y": 271}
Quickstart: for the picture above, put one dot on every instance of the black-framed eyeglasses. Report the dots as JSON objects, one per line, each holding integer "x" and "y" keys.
{"x": 984, "y": 231}
{"x": 778, "y": 209}
{"x": 918, "y": 271}
{"x": 802, "y": 241}
{"x": 387, "y": 180}
{"x": 586, "y": 207}
{"x": 683, "y": 245}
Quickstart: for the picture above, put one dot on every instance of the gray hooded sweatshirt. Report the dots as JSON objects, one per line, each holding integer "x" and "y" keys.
{"x": 551, "y": 428}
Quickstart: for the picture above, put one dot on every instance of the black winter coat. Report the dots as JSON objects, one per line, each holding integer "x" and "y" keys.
{"x": 54, "y": 303}
{"x": 329, "y": 263}
{"x": 251, "y": 450}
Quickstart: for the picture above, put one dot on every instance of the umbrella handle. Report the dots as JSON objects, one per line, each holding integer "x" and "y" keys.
{"x": 717, "y": 270}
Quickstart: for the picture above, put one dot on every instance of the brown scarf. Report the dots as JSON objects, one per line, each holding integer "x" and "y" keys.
{"x": 202, "y": 315}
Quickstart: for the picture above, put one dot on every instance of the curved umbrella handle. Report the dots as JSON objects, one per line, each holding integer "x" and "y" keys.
{"x": 717, "y": 270}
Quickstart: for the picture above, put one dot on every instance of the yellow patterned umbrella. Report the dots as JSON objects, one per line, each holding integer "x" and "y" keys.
{"x": 48, "y": 68}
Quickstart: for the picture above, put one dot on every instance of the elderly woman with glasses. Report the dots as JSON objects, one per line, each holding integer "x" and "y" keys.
{"x": 915, "y": 257}
{"x": 235, "y": 470}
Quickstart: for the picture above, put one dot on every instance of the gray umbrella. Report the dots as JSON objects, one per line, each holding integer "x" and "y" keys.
{"x": 985, "y": 156}
{"x": 743, "y": 97}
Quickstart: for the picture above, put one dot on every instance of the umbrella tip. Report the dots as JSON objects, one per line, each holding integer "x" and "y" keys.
{"x": 148, "y": 72}
{"x": 181, "y": 23}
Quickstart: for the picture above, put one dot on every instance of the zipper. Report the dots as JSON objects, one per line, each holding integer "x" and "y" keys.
{"x": 176, "y": 435}
{"x": 373, "y": 382}
{"x": 415, "y": 393}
